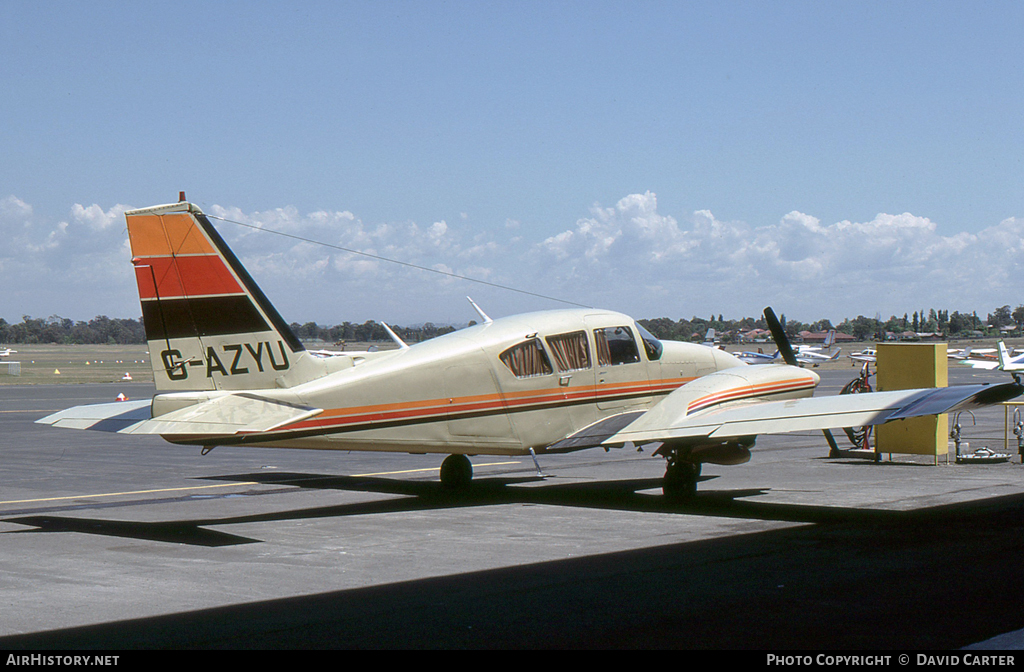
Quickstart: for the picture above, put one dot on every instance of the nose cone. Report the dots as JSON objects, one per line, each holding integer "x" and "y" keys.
{"x": 815, "y": 377}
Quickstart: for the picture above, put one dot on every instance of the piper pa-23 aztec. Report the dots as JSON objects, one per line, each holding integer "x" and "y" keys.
{"x": 229, "y": 372}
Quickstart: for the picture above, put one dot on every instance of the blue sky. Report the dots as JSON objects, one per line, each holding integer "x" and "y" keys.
{"x": 664, "y": 159}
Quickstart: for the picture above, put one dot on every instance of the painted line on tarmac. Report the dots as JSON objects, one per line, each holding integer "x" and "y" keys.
{"x": 130, "y": 492}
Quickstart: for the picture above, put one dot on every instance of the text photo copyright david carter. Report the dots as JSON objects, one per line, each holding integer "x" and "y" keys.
{"x": 905, "y": 659}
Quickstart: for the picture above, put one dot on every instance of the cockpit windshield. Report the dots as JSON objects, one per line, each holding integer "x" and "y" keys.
{"x": 652, "y": 345}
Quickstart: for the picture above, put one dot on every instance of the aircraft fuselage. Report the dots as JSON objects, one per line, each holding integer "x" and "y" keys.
{"x": 499, "y": 388}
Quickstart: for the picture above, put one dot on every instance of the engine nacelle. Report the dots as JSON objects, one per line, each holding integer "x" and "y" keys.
{"x": 742, "y": 384}
{"x": 726, "y": 453}
{"x": 678, "y": 417}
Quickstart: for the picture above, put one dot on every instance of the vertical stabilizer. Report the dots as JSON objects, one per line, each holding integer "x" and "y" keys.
{"x": 1008, "y": 362}
{"x": 1004, "y": 356}
{"x": 208, "y": 324}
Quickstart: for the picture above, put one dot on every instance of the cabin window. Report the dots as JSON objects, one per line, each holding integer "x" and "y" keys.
{"x": 527, "y": 359}
{"x": 615, "y": 345}
{"x": 652, "y": 345}
{"x": 571, "y": 351}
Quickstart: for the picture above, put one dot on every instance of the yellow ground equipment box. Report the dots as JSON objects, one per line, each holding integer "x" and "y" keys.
{"x": 902, "y": 366}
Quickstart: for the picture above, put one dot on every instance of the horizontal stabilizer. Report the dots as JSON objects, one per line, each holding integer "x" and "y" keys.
{"x": 666, "y": 423}
{"x": 112, "y": 417}
{"x": 227, "y": 415}
{"x": 241, "y": 413}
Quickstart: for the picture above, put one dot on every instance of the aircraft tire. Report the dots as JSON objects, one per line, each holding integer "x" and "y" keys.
{"x": 680, "y": 482}
{"x": 456, "y": 472}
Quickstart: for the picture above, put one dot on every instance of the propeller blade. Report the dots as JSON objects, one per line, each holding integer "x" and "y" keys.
{"x": 779, "y": 336}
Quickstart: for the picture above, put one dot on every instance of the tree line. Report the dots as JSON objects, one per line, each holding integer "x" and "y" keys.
{"x": 122, "y": 331}
{"x": 56, "y": 329}
{"x": 948, "y": 325}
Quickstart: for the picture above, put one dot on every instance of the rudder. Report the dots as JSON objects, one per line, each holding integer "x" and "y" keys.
{"x": 209, "y": 326}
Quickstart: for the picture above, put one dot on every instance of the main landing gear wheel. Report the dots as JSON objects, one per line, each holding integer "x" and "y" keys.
{"x": 680, "y": 480}
{"x": 456, "y": 472}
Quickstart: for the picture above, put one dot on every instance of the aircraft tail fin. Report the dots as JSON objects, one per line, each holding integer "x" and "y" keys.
{"x": 209, "y": 326}
{"x": 1006, "y": 360}
{"x": 1004, "y": 356}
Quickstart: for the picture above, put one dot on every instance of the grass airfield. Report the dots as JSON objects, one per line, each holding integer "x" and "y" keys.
{"x": 53, "y": 364}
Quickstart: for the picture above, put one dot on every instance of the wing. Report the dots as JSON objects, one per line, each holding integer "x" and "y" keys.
{"x": 226, "y": 415}
{"x": 595, "y": 434}
{"x": 669, "y": 421}
{"x": 981, "y": 364}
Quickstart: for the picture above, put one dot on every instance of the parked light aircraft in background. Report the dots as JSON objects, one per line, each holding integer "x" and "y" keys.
{"x": 814, "y": 358}
{"x": 7, "y": 352}
{"x": 982, "y": 358}
{"x": 813, "y": 355}
{"x": 758, "y": 357}
{"x": 710, "y": 339}
{"x": 830, "y": 339}
{"x": 805, "y": 354}
{"x": 981, "y": 354}
{"x": 1005, "y": 361}
{"x": 868, "y": 355}
{"x": 228, "y": 371}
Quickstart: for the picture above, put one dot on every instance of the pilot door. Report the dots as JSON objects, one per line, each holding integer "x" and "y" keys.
{"x": 622, "y": 381}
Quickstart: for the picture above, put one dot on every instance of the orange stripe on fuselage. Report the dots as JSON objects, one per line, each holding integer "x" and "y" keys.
{"x": 438, "y": 409}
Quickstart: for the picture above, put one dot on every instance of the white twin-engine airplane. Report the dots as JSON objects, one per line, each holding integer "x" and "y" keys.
{"x": 813, "y": 355}
{"x": 229, "y": 372}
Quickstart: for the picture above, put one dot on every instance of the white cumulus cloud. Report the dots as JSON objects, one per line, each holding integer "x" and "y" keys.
{"x": 628, "y": 256}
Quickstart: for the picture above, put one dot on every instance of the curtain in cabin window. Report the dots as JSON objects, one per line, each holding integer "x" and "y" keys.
{"x": 571, "y": 351}
{"x": 527, "y": 359}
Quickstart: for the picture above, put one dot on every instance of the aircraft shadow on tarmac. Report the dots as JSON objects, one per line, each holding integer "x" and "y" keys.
{"x": 622, "y": 495}
{"x": 824, "y": 586}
